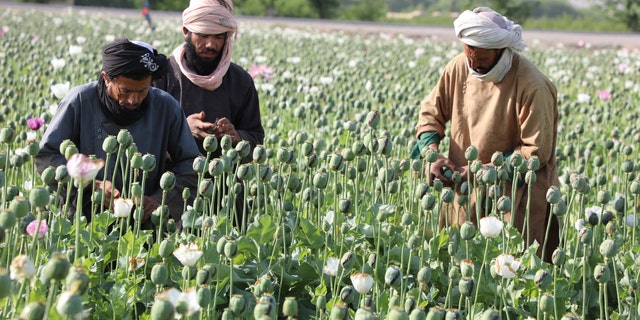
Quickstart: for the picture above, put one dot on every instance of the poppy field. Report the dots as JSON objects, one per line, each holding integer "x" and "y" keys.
{"x": 340, "y": 222}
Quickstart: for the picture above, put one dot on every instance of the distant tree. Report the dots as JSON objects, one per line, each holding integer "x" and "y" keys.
{"x": 326, "y": 8}
{"x": 365, "y": 10}
{"x": 516, "y": 10}
{"x": 628, "y": 11}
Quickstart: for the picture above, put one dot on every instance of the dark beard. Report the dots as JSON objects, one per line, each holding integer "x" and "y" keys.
{"x": 194, "y": 62}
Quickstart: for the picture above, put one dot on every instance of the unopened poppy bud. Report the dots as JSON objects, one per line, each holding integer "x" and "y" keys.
{"x": 230, "y": 249}
{"x": 159, "y": 274}
{"x": 542, "y": 279}
{"x": 393, "y": 276}
{"x": 466, "y": 285}
{"x": 162, "y": 310}
{"x": 608, "y": 248}
{"x": 497, "y": 158}
{"x": 553, "y": 195}
{"x": 601, "y": 273}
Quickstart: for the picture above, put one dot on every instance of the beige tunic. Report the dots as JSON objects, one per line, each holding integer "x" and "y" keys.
{"x": 518, "y": 114}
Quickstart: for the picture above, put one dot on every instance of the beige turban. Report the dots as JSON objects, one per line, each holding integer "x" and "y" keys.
{"x": 487, "y": 29}
{"x": 208, "y": 17}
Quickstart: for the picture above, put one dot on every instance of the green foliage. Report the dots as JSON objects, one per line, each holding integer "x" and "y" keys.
{"x": 326, "y": 8}
{"x": 628, "y": 11}
{"x": 365, "y": 10}
{"x": 294, "y": 8}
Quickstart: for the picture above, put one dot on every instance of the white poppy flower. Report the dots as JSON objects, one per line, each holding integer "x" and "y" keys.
{"x": 21, "y": 268}
{"x": 326, "y": 80}
{"x": 122, "y": 207}
{"x": 109, "y": 38}
{"x": 583, "y": 98}
{"x": 362, "y": 282}
{"x": 83, "y": 169}
{"x": 507, "y": 266}
{"x": 75, "y": 50}
{"x": 175, "y": 297}
{"x": 188, "y": 255}
{"x": 332, "y": 266}
{"x": 329, "y": 217}
{"x": 579, "y": 224}
{"x": 60, "y": 89}
{"x": 490, "y": 227}
{"x": 631, "y": 220}
{"x": 57, "y": 63}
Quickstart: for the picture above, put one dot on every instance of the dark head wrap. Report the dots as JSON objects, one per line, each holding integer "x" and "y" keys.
{"x": 132, "y": 59}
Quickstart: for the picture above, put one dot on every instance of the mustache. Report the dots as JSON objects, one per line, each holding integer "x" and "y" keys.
{"x": 212, "y": 51}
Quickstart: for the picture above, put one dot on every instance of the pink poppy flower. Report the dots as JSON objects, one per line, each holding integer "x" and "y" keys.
{"x": 35, "y": 123}
{"x": 82, "y": 169}
{"x": 262, "y": 70}
{"x": 33, "y": 225}
{"x": 604, "y": 94}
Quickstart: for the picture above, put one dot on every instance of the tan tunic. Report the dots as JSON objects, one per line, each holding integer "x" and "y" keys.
{"x": 519, "y": 114}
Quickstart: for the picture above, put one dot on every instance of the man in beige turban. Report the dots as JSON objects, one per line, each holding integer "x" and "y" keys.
{"x": 218, "y": 96}
{"x": 495, "y": 100}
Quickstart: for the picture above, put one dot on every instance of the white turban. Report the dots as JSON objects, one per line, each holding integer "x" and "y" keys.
{"x": 487, "y": 29}
{"x": 209, "y": 17}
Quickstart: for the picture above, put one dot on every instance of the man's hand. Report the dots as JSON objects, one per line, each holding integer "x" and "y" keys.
{"x": 439, "y": 169}
{"x": 200, "y": 129}
{"x": 108, "y": 189}
{"x": 225, "y": 127}
{"x": 150, "y": 204}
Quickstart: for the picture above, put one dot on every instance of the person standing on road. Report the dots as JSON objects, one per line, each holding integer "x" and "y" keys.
{"x": 496, "y": 100}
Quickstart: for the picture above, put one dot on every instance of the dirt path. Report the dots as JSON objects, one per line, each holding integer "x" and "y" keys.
{"x": 437, "y": 33}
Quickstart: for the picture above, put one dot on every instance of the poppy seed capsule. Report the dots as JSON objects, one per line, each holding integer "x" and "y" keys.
{"x": 585, "y": 235}
{"x": 603, "y": 196}
{"x": 542, "y": 279}
{"x": 558, "y": 257}
{"x": 364, "y": 314}
{"x": 504, "y": 204}
{"x": 48, "y": 174}
{"x": 69, "y": 305}
{"x": 466, "y": 268}
{"x": 497, "y": 158}
{"x": 448, "y": 195}
{"x": 159, "y": 274}
{"x": 373, "y": 119}
{"x": 7, "y": 135}
{"x": 124, "y": 138}
{"x": 243, "y": 148}
{"x": 418, "y": 314}
{"x": 5, "y": 283}
{"x": 33, "y": 311}
{"x": 476, "y": 166}
{"x": 347, "y": 294}
{"x": 430, "y": 155}
{"x": 56, "y": 268}
{"x": 466, "y": 285}
{"x": 347, "y": 261}
{"x": 168, "y": 181}
{"x": 20, "y": 206}
{"x": 608, "y": 248}
{"x": 530, "y": 178}
{"x": 533, "y": 164}
{"x": 409, "y": 304}
{"x": 230, "y": 249}
{"x": 601, "y": 273}
{"x": 428, "y": 201}
{"x": 237, "y": 305}
{"x": 546, "y": 304}
{"x": 627, "y": 166}
{"x": 166, "y": 248}
{"x": 553, "y": 195}
{"x": 203, "y": 296}
{"x": 393, "y": 276}
{"x": 471, "y": 153}
{"x": 148, "y": 162}
{"x": 436, "y": 313}
{"x": 290, "y": 307}
{"x": 162, "y": 310}
{"x": 199, "y": 164}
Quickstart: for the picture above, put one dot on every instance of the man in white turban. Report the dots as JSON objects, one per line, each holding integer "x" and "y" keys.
{"x": 218, "y": 96}
{"x": 497, "y": 101}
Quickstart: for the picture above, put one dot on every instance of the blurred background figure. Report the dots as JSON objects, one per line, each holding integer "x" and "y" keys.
{"x": 147, "y": 14}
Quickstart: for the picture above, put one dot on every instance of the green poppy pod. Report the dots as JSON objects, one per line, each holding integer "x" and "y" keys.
{"x": 547, "y": 304}
{"x": 110, "y": 144}
{"x": 471, "y": 153}
{"x": 210, "y": 143}
{"x": 159, "y": 274}
{"x": 162, "y": 310}
{"x": 148, "y": 162}
{"x": 466, "y": 286}
{"x": 124, "y": 138}
{"x": 290, "y": 307}
{"x": 33, "y": 311}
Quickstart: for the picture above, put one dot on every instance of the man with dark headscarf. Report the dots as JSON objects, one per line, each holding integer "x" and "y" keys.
{"x": 122, "y": 98}
{"x": 218, "y": 96}
{"x": 495, "y": 100}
